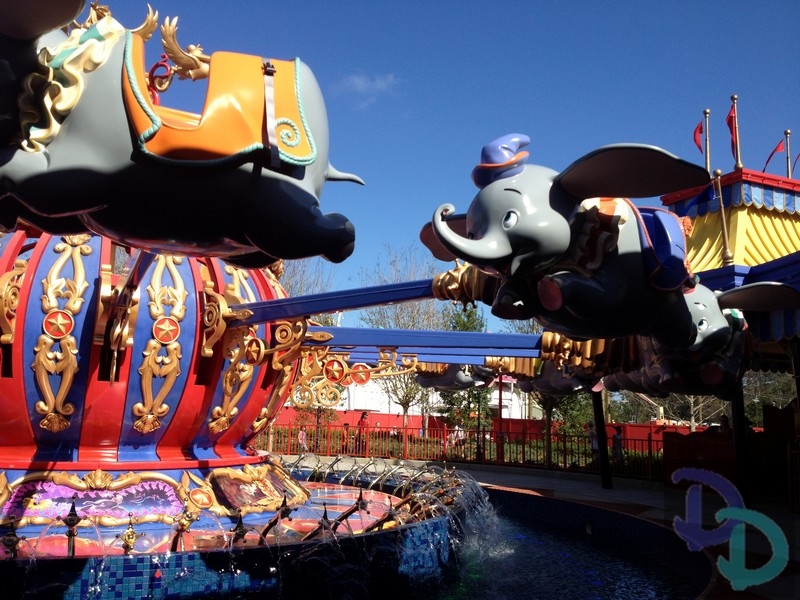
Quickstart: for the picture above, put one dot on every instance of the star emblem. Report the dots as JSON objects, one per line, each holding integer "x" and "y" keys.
{"x": 334, "y": 370}
{"x": 254, "y": 351}
{"x": 360, "y": 374}
{"x": 166, "y": 330}
{"x": 58, "y": 324}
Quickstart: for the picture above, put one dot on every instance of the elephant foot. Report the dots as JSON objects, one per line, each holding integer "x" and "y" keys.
{"x": 344, "y": 241}
{"x": 342, "y": 253}
{"x": 329, "y": 236}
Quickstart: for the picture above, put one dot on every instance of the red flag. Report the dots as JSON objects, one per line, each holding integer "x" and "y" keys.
{"x": 731, "y": 121}
{"x": 698, "y": 131}
{"x": 778, "y": 148}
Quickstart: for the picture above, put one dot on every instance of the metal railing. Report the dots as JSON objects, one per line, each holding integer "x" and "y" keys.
{"x": 639, "y": 458}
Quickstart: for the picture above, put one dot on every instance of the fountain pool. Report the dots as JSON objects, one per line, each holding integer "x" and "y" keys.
{"x": 551, "y": 549}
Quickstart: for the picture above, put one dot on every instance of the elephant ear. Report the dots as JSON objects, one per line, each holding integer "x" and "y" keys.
{"x": 629, "y": 171}
{"x": 458, "y": 223}
{"x": 763, "y": 296}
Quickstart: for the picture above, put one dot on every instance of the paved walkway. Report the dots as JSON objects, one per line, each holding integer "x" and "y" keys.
{"x": 656, "y": 503}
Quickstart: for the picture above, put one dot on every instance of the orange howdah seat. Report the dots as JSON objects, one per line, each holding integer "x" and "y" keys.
{"x": 233, "y": 118}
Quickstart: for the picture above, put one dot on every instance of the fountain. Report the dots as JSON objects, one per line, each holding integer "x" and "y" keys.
{"x": 130, "y": 388}
{"x": 127, "y": 464}
{"x": 128, "y": 397}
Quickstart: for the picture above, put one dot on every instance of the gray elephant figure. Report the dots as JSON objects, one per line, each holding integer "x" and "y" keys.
{"x": 241, "y": 181}
{"x": 715, "y": 362}
{"x": 569, "y": 248}
{"x": 456, "y": 378}
{"x": 553, "y": 381}
{"x": 571, "y": 251}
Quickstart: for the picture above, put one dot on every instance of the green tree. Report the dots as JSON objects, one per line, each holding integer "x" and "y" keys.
{"x": 398, "y": 266}
{"x": 575, "y": 410}
{"x": 552, "y": 405}
{"x": 766, "y": 388}
{"x": 471, "y": 405}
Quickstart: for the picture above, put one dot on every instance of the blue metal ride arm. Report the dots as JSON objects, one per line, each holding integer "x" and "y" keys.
{"x": 457, "y": 342}
{"x": 454, "y": 357}
{"x": 331, "y": 302}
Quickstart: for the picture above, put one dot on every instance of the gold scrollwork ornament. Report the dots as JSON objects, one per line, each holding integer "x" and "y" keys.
{"x": 61, "y": 300}
{"x": 10, "y": 284}
{"x": 235, "y": 380}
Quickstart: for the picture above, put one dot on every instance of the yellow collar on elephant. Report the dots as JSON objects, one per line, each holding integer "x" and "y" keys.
{"x": 233, "y": 122}
{"x": 598, "y": 235}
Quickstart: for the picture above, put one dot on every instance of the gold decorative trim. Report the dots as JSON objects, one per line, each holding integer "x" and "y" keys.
{"x": 10, "y": 284}
{"x": 98, "y": 480}
{"x": 284, "y": 363}
{"x": 239, "y": 289}
{"x": 322, "y": 373}
{"x": 566, "y": 352}
{"x": 391, "y": 363}
{"x": 191, "y": 63}
{"x": 152, "y": 409}
{"x": 245, "y": 352}
{"x": 235, "y": 380}
{"x": 270, "y": 481}
{"x": 516, "y": 366}
{"x": 148, "y": 27}
{"x": 97, "y": 12}
{"x": 57, "y": 349}
{"x": 53, "y": 91}
{"x": 465, "y": 284}
{"x": 262, "y": 420}
{"x": 166, "y": 330}
{"x": 215, "y": 311}
{"x": 238, "y": 343}
{"x": 117, "y": 311}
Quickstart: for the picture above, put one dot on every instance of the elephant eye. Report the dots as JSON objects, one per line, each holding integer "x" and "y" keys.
{"x": 510, "y": 219}
{"x": 702, "y": 325}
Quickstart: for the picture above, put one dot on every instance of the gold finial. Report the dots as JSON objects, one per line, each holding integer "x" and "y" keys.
{"x": 191, "y": 63}
{"x": 737, "y": 140}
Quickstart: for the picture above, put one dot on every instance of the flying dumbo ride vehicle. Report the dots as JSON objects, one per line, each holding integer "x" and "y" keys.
{"x": 571, "y": 250}
{"x": 85, "y": 145}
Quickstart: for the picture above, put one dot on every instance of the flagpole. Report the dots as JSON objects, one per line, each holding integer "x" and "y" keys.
{"x": 788, "y": 133}
{"x": 727, "y": 255}
{"x": 735, "y": 100}
{"x": 706, "y": 114}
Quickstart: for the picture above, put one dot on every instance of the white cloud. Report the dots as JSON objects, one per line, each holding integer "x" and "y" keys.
{"x": 365, "y": 88}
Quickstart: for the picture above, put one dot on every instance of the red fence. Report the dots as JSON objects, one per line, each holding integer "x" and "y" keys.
{"x": 640, "y": 458}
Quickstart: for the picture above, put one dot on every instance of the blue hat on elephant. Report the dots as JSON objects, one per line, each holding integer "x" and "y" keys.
{"x": 501, "y": 158}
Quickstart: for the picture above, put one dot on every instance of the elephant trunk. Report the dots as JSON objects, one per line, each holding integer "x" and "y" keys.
{"x": 335, "y": 174}
{"x": 483, "y": 252}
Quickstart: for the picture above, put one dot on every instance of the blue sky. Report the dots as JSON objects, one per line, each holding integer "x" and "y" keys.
{"x": 414, "y": 89}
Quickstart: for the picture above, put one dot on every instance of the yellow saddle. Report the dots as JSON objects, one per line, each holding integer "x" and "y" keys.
{"x": 234, "y": 119}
